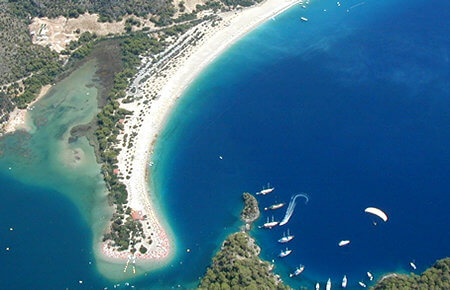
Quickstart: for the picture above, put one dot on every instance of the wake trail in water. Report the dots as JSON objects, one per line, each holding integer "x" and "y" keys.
{"x": 291, "y": 207}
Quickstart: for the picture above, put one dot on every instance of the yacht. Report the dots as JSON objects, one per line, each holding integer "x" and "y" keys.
{"x": 317, "y": 286}
{"x": 275, "y": 206}
{"x": 328, "y": 287}
{"x": 344, "y": 282}
{"x": 285, "y": 238}
{"x": 344, "y": 243}
{"x": 362, "y": 284}
{"x": 370, "y": 276}
{"x": 265, "y": 191}
{"x": 270, "y": 224}
{"x": 413, "y": 265}
{"x": 285, "y": 253}
{"x": 297, "y": 271}
{"x": 304, "y": 19}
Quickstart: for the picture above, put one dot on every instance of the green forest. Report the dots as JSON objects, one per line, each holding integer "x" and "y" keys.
{"x": 237, "y": 265}
{"x": 436, "y": 277}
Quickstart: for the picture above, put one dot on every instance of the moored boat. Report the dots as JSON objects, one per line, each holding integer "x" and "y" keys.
{"x": 265, "y": 191}
{"x": 344, "y": 243}
{"x": 413, "y": 265}
{"x": 270, "y": 224}
{"x": 370, "y": 276}
{"x": 344, "y": 282}
{"x": 297, "y": 271}
{"x": 286, "y": 238}
{"x": 304, "y": 19}
{"x": 317, "y": 286}
{"x": 328, "y": 286}
{"x": 362, "y": 284}
{"x": 285, "y": 253}
{"x": 275, "y": 206}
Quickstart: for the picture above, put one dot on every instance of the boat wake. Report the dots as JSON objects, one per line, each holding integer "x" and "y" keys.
{"x": 291, "y": 207}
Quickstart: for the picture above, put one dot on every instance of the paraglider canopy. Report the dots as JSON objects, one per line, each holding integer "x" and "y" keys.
{"x": 378, "y": 212}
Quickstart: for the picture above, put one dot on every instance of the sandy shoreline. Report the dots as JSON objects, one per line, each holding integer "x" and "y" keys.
{"x": 167, "y": 82}
{"x": 18, "y": 117}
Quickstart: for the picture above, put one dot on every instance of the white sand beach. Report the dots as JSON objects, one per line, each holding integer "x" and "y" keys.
{"x": 156, "y": 89}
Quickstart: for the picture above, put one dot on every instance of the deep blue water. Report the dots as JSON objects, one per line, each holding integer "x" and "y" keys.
{"x": 350, "y": 107}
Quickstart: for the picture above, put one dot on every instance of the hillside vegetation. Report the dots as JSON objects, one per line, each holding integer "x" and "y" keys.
{"x": 237, "y": 265}
{"x": 436, "y": 277}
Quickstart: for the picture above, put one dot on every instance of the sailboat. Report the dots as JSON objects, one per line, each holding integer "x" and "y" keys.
{"x": 285, "y": 253}
{"x": 344, "y": 282}
{"x": 275, "y": 206}
{"x": 265, "y": 191}
{"x": 297, "y": 271}
{"x": 285, "y": 238}
{"x": 269, "y": 225}
{"x": 328, "y": 286}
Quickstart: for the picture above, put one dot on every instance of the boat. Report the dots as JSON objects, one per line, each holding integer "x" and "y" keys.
{"x": 270, "y": 224}
{"x": 297, "y": 271}
{"x": 370, "y": 276}
{"x": 265, "y": 191}
{"x": 328, "y": 286}
{"x": 285, "y": 238}
{"x": 275, "y": 206}
{"x": 413, "y": 265}
{"x": 304, "y": 19}
{"x": 362, "y": 284}
{"x": 303, "y": 6}
{"x": 317, "y": 286}
{"x": 344, "y": 282}
{"x": 344, "y": 243}
{"x": 285, "y": 253}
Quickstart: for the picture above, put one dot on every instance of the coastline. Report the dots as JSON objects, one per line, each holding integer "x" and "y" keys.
{"x": 163, "y": 85}
{"x": 18, "y": 117}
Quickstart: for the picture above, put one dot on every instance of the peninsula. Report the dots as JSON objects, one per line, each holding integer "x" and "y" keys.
{"x": 162, "y": 50}
{"x": 237, "y": 264}
{"x": 154, "y": 90}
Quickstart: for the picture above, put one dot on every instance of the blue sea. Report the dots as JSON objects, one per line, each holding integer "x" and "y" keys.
{"x": 351, "y": 107}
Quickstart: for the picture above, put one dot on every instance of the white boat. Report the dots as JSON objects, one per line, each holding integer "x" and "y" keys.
{"x": 285, "y": 238}
{"x": 303, "y": 6}
{"x": 362, "y": 284}
{"x": 269, "y": 225}
{"x": 304, "y": 19}
{"x": 297, "y": 271}
{"x": 285, "y": 253}
{"x": 275, "y": 206}
{"x": 344, "y": 282}
{"x": 317, "y": 286}
{"x": 344, "y": 243}
{"x": 265, "y": 191}
{"x": 413, "y": 265}
{"x": 328, "y": 287}
{"x": 370, "y": 276}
